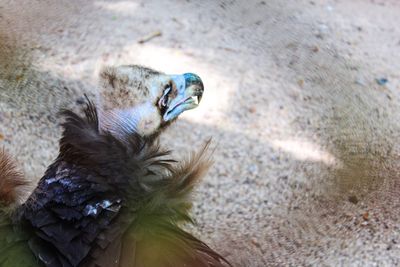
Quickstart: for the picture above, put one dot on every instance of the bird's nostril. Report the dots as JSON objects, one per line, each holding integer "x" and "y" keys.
{"x": 193, "y": 79}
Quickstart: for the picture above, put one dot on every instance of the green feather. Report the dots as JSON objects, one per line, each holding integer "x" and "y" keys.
{"x": 14, "y": 248}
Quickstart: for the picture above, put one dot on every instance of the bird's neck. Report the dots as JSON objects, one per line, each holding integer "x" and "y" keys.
{"x": 143, "y": 119}
{"x": 120, "y": 123}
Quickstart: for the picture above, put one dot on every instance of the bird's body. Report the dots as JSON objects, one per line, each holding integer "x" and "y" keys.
{"x": 111, "y": 198}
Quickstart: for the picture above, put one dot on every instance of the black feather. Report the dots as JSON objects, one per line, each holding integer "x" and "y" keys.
{"x": 106, "y": 202}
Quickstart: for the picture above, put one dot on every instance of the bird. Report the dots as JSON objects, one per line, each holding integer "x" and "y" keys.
{"x": 113, "y": 197}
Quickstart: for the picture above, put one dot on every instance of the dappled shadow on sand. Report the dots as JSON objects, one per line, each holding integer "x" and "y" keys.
{"x": 275, "y": 79}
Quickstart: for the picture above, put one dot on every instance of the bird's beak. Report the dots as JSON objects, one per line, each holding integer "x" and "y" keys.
{"x": 189, "y": 92}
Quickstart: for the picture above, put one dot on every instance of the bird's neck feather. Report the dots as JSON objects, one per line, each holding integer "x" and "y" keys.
{"x": 117, "y": 122}
{"x": 142, "y": 119}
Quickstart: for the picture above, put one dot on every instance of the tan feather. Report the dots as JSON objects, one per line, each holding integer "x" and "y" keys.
{"x": 12, "y": 182}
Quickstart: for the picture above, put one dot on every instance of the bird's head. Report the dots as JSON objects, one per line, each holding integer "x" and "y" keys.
{"x": 135, "y": 99}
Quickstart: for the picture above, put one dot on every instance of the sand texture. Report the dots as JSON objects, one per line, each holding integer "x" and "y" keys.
{"x": 301, "y": 101}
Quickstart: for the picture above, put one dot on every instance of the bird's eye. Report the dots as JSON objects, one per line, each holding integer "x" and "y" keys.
{"x": 163, "y": 102}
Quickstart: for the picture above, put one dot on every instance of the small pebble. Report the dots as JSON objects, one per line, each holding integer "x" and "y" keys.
{"x": 255, "y": 243}
{"x": 322, "y": 31}
{"x": 382, "y": 81}
{"x": 300, "y": 83}
{"x": 360, "y": 81}
{"x": 80, "y": 101}
{"x": 353, "y": 199}
{"x": 252, "y": 110}
{"x": 253, "y": 169}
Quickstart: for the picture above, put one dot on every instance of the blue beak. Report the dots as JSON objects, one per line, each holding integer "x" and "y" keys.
{"x": 189, "y": 93}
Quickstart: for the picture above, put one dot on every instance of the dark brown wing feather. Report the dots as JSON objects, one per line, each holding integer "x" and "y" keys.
{"x": 107, "y": 203}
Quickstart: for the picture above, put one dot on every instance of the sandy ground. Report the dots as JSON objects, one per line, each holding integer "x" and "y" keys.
{"x": 306, "y": 162}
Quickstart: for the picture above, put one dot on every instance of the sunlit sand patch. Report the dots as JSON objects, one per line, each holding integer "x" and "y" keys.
{"x": 305, "y": 151}
{"x": 121, "y": 7}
